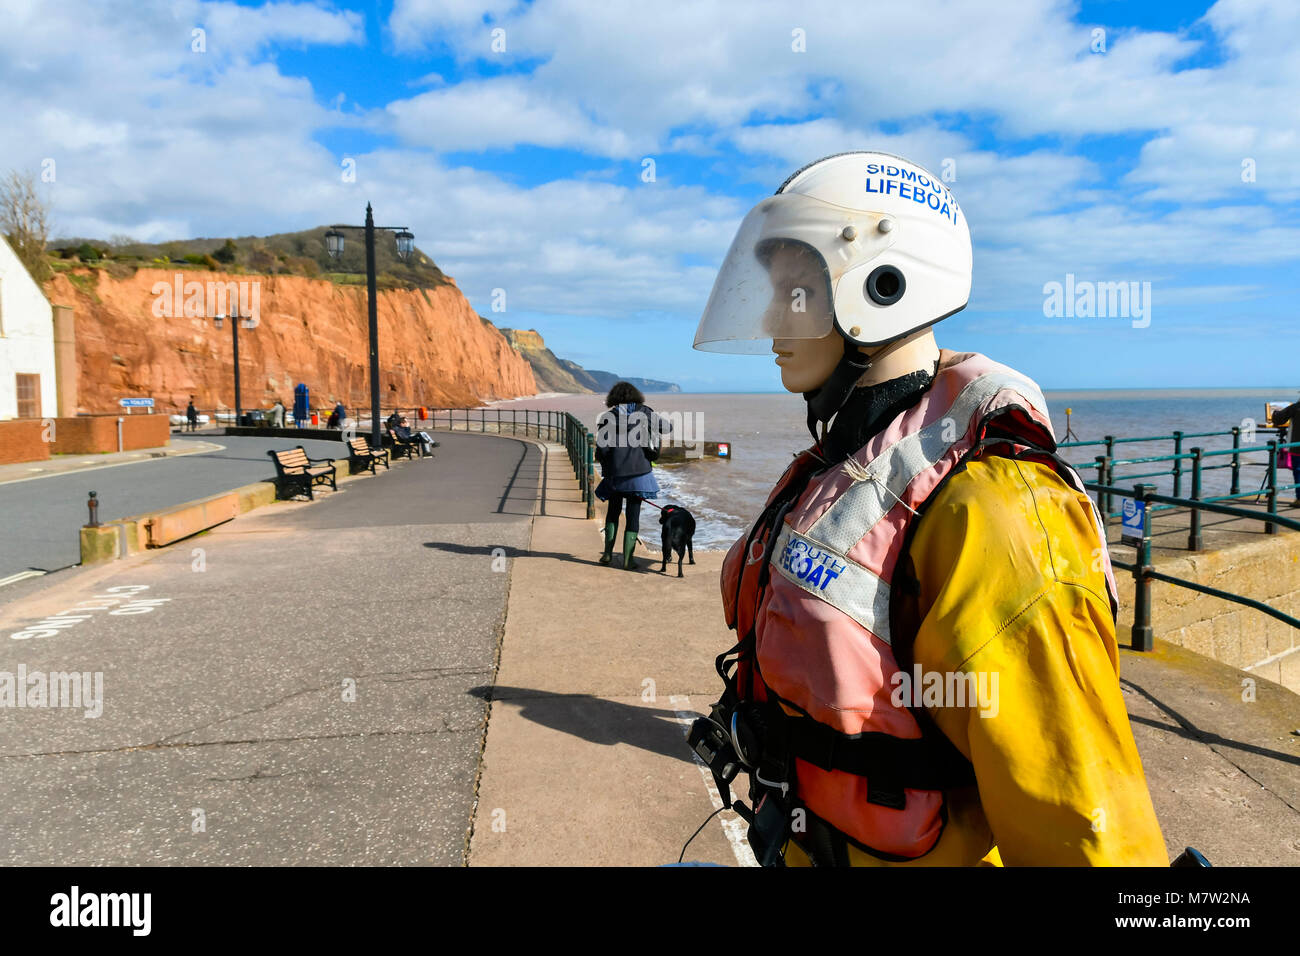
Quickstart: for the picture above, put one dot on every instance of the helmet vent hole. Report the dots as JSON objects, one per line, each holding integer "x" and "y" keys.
{"x": 886, "y": 285}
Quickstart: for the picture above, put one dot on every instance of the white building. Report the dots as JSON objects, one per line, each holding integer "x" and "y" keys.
{"x": 27, "y": 386}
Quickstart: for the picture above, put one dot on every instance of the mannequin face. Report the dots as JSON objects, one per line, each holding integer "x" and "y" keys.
{"x": 807, "y": 363}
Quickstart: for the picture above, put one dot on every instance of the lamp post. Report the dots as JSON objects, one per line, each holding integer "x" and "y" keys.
{"x": 235, "y": 322}
{"x": 405, "y": 245}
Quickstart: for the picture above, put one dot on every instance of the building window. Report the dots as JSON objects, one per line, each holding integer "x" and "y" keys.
{"x": 29, "y": 396}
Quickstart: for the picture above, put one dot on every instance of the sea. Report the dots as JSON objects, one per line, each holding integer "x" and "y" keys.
{"x": 765, "y": 430}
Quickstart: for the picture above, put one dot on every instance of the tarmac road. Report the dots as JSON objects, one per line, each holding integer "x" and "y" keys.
{"x": 302, "y": 693}
{"x": 40, "y": 518}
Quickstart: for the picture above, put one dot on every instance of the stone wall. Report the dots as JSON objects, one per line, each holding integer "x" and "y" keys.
{"x": 1267, "y": 570}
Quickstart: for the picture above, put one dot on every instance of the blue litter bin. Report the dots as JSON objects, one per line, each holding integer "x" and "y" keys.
{"x": 301, "y": 405}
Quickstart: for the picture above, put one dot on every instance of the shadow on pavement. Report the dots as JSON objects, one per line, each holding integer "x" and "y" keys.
{"x": 595, "y": 720}
{"x": 486, "y": 550}
{"x": 1190, "y": 731}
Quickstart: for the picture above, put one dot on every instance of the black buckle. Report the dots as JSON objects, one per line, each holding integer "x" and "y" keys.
{"x": 814, "y": 743}
{"x": 885, "y": 794}
{"x": 712, "y": 743}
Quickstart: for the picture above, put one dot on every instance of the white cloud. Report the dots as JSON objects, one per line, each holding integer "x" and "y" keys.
{"x": 499, "y": 114}
{"x": 415, "y": 23}
{"x": 162, "y": 143}
{"x": 1029, "y": 69}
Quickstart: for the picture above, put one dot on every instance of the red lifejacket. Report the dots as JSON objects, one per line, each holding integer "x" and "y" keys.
{"x": 816, "y": 649}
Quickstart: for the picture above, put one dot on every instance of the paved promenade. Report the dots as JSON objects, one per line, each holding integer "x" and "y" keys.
{"x": 303, "y": 692}
{"x": 430, "y": 666}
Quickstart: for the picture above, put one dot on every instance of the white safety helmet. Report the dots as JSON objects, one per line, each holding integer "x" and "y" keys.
{"x": 867, "y": 243}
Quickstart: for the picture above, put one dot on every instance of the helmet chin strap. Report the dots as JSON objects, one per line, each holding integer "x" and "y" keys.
{"x": 824, "y": 402}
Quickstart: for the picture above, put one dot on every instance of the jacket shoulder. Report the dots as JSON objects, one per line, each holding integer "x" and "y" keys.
{"x": 1005, "y": 534}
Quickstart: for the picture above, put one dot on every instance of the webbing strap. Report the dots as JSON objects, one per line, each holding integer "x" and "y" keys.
{"x": 921, "y": 763}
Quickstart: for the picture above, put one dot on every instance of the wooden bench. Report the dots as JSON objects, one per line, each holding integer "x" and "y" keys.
{"x": 364, "y": 455}
{"x": 404, "y": 446}
{"x": 295, "y": 472}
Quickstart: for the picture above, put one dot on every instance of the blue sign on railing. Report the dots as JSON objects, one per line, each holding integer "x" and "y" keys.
{"x": 1133, "y": 516}
{"x": 135, "y": 402}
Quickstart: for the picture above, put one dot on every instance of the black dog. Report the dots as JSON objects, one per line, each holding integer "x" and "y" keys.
{"x": 679, "y": 529}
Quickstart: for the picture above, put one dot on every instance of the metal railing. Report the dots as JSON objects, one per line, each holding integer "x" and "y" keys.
{"x": 1144, "y": 572}
{"x": 1176, "y": 471}
{"x": 1106, "y": 471}
{"x": 548, "y": 424}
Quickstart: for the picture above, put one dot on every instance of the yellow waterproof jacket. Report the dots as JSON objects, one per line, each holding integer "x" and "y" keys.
{"x": 1007, "y": 589}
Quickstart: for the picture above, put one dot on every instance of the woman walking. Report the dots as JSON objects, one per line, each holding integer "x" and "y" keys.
{"x": 627, "y": 442}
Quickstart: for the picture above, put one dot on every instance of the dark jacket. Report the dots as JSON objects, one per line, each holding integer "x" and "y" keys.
{"x": 1288, "y": 414}
{"x": 627, "y": 442}
{"x": 191, "y": 412}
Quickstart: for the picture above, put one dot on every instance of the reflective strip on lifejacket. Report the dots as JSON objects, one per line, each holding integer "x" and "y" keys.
{"x": 844, "y": 584}
{"x": 865, "y": 502}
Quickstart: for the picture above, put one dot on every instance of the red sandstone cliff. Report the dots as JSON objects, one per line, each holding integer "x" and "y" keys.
{"x": 433, "y": 348}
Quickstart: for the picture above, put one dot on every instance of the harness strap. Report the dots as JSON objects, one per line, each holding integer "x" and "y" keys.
{"x": 914, "y": 764}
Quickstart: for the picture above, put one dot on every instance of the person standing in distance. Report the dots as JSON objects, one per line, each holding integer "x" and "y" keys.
{"x": 627, "y": 443}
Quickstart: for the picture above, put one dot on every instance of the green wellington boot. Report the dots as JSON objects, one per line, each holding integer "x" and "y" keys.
{"x": 629, "y": 543}
{"x": 611, "y": 528}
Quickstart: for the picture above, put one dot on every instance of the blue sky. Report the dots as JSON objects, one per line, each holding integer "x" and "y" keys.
{"x": 512, "y": 138}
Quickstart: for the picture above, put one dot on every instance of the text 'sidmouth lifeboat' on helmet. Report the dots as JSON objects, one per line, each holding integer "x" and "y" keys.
{"x": 864, "y": 243}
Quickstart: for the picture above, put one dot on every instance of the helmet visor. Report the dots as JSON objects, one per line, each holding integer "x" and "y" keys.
{"x": 778, "y": 277}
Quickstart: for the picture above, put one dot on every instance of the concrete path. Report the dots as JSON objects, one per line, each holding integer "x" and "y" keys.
{"x": 1170, "y": 530}
{"x": 601, "y": 672}
{"x": 308, "y": 689}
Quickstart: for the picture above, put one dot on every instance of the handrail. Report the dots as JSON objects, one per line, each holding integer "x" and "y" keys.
{"x": 1206, "y": 454}
{"x": 1118, "y": 441}
{"x": 1144, "y": 572}
{"x": 1107, "y": 464}
{"x": 561, "y": 427}
{"x": 1200, "y": 504}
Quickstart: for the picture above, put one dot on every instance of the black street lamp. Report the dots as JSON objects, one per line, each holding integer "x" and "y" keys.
{"x": 405, "y": 245}
{"x": 235, "y": 323}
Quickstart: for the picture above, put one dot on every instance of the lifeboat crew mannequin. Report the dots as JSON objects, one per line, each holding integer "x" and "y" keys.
{"x": 927, "y": 669}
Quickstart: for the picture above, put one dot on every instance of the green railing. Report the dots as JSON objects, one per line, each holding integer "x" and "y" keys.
{"x": 547, "y": 424}
{"x": 1106, "y": 472}
{"x": 1144, "y": 572}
